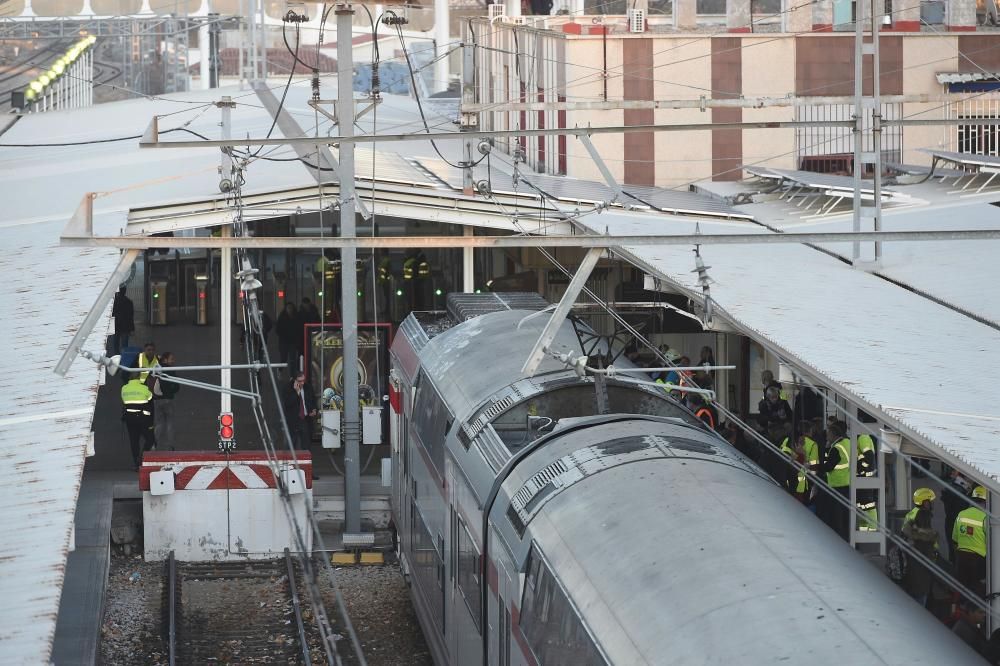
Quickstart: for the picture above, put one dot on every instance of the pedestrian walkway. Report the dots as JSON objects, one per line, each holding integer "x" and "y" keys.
{"x": 81, "y": 607}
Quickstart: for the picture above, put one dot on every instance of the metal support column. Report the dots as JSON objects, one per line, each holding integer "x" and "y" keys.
{"x": 226, "y": 273}
{"x": 442, "y": 32}
{"x": 349, "y": 276}
{"x": 226, "y": 319}
{"x": 213, "y": 52}
{"x": 470, "y": 120}
{"x": 877, "y": 11}
{"x": 858, "y": 128}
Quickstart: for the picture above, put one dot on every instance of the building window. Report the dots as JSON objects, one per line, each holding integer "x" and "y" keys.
{"x": 977, "y": 139}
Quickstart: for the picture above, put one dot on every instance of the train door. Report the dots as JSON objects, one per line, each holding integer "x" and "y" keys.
{"x": 397, "y": 441}
{"x": 505, "y": 592}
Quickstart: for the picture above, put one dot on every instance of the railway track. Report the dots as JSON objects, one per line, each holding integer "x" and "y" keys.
{"x": 235, "y": 613}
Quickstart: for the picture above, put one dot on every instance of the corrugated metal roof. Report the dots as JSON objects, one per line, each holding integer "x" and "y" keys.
{"x": 45, "y": 422}
{"x": 911, "y": 359}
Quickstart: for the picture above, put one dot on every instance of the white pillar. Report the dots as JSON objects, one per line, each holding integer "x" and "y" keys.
{"x": 514, "y": 7}
{"x": 203, "y": 54}
{"x": 442, "y": 32}
{"x": 468, "y": 267}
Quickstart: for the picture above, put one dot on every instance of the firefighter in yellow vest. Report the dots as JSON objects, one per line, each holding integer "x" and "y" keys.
{"x": 921, "y": 535}
{"x": 137, "y": 412}
{"x": 969, "y": 537}
{"x": 866, "y": 497}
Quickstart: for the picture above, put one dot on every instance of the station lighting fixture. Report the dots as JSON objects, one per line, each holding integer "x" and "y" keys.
{"x": 437, "y": 292}
{"x": 37, "y": 87}
{"x": 399, "y": 292}
{"x": 227, "y": 431}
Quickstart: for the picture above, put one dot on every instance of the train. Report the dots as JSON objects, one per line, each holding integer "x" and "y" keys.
{"x": 556, "y": 519}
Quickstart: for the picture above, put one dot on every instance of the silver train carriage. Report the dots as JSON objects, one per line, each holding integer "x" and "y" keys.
{"x": 535, "y": 530}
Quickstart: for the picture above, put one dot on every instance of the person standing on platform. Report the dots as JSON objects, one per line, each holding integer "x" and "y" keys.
{"x": 969, "y": 537}
{"x": 137, "y": 412}
{"x": 866, "y": 498}
{"x": 164, "y": 393}
{"x": 919, "y": 532}
{"x": 300, "y": 409}
{"x": 836, "y": 465}
{"x": 124, "y": 313}
{"x": 954, "y": 503}
{"x": 147, "y": 359}
{"x": 287, "y": 329}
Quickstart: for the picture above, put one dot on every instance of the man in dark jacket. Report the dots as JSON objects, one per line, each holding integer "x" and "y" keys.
{"x": 124, "y": 313}
{"x": 289, "y": 337}
{"x": 164, "y": 393}
{"x": 300, "y": 410}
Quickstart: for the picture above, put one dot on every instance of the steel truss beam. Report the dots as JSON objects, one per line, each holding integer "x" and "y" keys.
{"x": 151, "y": 137}
{"x": 397, "y": 242}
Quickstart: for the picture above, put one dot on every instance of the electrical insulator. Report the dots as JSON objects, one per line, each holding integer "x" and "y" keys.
{"x": 227, "y": 432}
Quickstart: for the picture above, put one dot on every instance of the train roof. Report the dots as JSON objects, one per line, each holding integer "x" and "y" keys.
{"x": 690, "y": 554}
{"x": 493, "y": 350}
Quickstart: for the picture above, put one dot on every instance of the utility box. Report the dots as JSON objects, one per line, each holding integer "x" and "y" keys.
{"x": 158, "y": 303}
{"x": 371, "y": 425}
{"x": 201, "y": 313}
{"x": 330, "y": 422}
{"x": 293, "y": 481}
{"x": 161, "y": 482}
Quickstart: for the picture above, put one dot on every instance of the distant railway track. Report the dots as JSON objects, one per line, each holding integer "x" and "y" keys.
{"x": 235, "y": 612}
{"x": 30, "y": 62}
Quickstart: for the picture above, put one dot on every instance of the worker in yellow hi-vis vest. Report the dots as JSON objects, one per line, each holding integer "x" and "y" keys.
{"x": 866, "y": 497}
{"x": 969, "y": 537}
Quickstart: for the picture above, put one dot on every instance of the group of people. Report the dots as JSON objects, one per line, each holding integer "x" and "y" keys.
{"x": 148, "y": 403}
{"x": 967, "y": 527}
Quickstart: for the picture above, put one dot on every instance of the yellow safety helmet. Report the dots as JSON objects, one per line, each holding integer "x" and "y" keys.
{"x": 921, "y": 495}
{"x": 979, "y": 493}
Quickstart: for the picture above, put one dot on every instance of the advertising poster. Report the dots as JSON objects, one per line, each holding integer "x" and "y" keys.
{"x": 325, "y": 360}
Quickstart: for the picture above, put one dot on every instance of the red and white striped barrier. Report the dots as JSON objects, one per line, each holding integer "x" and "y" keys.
{"x": 184, "y": 511}
{"x": 216, "y": 471}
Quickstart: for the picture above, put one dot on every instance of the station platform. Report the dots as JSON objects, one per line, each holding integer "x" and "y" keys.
{"x": 196, "y": 411}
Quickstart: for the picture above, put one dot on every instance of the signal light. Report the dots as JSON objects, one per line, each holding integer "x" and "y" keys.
{"x": 227, "y": 431}
{"x": 399, "y": 292}
{"x": 281, "y": 293}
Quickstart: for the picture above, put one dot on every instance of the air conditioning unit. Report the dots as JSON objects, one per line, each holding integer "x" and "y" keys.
{"x": 497, "y": 11}
{"x": 637, "y": 20}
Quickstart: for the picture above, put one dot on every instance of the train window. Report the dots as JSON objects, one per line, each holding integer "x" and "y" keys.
{"x": 554, "y": 631}
{"x": 431, "y": 420}
{"x": 469, "y": 578}
{"x": 428, "y": 565}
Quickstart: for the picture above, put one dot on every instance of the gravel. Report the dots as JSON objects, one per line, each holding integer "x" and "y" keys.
{"x": 379, "y": 604}
{"x": 130, "y": 633}
{"x": 376, "y": 597}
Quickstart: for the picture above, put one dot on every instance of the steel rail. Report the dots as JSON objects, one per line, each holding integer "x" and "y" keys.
{"x": 172, "y": 609}
{"x": 604, "y": 241}
{"x": 303, "y": 644}
{"x": 150, "y": 138}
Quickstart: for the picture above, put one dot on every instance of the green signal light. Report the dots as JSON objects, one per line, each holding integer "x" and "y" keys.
{"x": 359, "y": 293}
{"x": 399, "y": 292}
{"x": 437, "y": 292}
{"x": 320, "y": 294}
